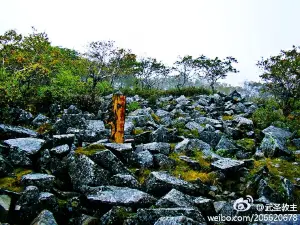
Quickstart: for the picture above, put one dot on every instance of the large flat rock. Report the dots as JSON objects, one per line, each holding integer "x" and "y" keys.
{"x": 121, "y": 196}
{"x": 30, "y": 145}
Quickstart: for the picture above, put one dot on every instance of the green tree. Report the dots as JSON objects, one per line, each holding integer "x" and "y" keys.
{"x": 184, "y": 69}
{"x": 148, "y": 72}
{"x": 214, "y": 69}
{"x": 281, "y": 74}
{"x": 106, "y": 62}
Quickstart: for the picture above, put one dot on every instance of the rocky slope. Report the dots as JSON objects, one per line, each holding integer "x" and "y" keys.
{"x": 184, "y": 159}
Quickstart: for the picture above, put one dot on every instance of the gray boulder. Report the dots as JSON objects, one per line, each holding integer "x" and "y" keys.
{"x": 144, "y": 159}
{"x": 70, "y": 121}
{"x": 176, "y": 220}
{"x": 272, "y": 146}
{"x": 44, "y": 182}
{"x": 205, "y": 205}
{"x": 9, "y": 132}
{"x": 44, "y": 218}
{"x": 155, "y": 147}
{"x": 5, "y": 167}
{"x": 39, "y": 120}
{"x": 5, "y": 202}
{"x": 163, "y": 162}
{"x": 73, "y": 110}
{"x": 226, "y": 144}
{"x": 279, "y": 133}
{"x": 243, "y": 123}
{"x": 61, "y": 150}
{"x": 121, "y": 196}
{"x": 83, "y": 171}
{"x": 29, "y": 145}
{"x": 227, "y": 165}
{"x": 122, "y": 151}
{"x": 175, "y": 199}
{"x": 211, "y": 138}
{"x": 150, "y": 216}
{"x": 125, "y": 180}
{"x": 161, "y": 134}
{"x": 194, "y": 126}
{"x": 160, "y": 183}
{"x": 63, "y": 139}
{"x": 128, "y": 127}
{"x": 110, "y": 162}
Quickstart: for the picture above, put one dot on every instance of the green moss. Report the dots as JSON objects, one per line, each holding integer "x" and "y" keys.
{"x": 247, "y": 144}
{"x": 202, "y": 111}
{"x": 61, "y": 203}
{"x": 137, "y": 131}
{"x": 285, "y": 169}
{"x": 195, "y": 133}
{"x": 155, "y": 117}
{"x": 227, "y": 117}
{"x": 184, "y": 171}
{"x": 133, "y": 106}
{"x": 172, "y": 146}
{"x": 292, "y": 147}
{"x": 143, "y": 175}
{"x": 223, "y": 152}
{"x": 13, "y": 183}
{"x": 179, "y": 125}
{"x": 90, "y": 150}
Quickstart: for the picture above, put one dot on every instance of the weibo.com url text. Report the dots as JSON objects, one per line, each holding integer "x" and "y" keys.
{"x": 254, "y": 218}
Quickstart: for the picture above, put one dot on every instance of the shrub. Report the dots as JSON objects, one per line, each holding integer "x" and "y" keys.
{"x": 133, "y": 106}
{"x": 267, "y": 114}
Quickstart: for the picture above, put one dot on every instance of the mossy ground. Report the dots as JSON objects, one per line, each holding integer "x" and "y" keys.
{"x": 155, "y": 118}
{"x": 137, "y": 131}
{"x": 90, "y": 150}
{"x": 278, "y": 167}
{"x": 141, "y": 174}
{"x": 227, "y": 117}
{"x": 184, "y": 171}
{"x": 12, "y": 183}
{"x": 133, "y": 106}
{"x": 247, "y": 143}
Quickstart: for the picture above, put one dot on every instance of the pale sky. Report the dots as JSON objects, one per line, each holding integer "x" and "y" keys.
{"x": 164, "y": 29}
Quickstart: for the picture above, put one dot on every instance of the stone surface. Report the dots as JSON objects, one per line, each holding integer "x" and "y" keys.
{"x": 121, "y": 196}
{"x": 125, "y": 180}
{"x": 150, "y": 216}
{"x": 5, "y": 202}
{"x": 175, "y": 199}
{"x": 83, "y": 171}
{"x": 176, "y": 220}
{"x": 42, "y": 181}
{"x": 155, "y": 147}
{"x": 227, "y": 165}
{"x": 60, "y": 150}
{"x": 29, "y": 145}
{"x": 107, "y": 160}
{"x": 8, "y": 132}
{"x": 144, "y": 159}
{"x": 44, "y": 218}
{"x": 160, "y": 183}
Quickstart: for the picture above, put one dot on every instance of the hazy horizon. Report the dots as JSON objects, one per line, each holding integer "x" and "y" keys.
{"x": 246, "y": 30}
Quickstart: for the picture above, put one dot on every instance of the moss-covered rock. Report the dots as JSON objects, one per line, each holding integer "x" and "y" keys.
{"x": 13, "y": 183}
{"x": 246, "y": 144}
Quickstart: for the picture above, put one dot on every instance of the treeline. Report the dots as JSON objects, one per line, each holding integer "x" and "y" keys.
{"x": 34, "y": 73}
